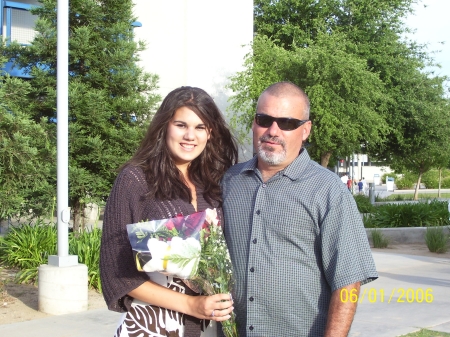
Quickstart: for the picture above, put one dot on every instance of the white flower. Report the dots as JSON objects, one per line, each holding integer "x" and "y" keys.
{"x": 177, "y": 257}
{"x": 211, "y": 216}
{"x": 158, "y": 249}
{"x": 180, "y": 252}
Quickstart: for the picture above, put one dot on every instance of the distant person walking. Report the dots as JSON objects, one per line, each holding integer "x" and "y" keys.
{"x": 360, "y": 187}
{"x": 365, "y": 186}
{"x": 344, "y": 179}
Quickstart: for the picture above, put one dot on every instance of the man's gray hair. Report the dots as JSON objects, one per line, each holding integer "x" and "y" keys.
{"x": 285, "y": 88}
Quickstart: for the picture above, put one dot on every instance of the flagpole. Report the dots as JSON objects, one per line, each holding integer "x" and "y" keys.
{"x": 63, "y": 283}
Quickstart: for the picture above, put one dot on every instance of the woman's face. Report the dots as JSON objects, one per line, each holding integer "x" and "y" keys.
{"x": 186, "y": 137}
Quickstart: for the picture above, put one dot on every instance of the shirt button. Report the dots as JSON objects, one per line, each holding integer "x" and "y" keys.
{"x": 251, "y": 327}
{"x": 258, "y": 212}
{"x": 255, "y": 241}
{"x": 264, "y": 185}
{"x": 252, "y": 269}
{"x": 251, "y": 299}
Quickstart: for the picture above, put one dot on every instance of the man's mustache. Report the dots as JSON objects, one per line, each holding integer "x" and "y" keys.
{"x": 275, "y": 140}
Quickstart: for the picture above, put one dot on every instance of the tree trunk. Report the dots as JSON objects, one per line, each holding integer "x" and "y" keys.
{"x": 440, "y": 180}
{"x": 325, "y": 159}
{"x": 416, "y": 192}
{"x": 78, "y": 216}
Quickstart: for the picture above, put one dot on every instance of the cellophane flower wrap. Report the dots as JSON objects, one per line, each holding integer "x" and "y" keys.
{"x": 192, "y": 248}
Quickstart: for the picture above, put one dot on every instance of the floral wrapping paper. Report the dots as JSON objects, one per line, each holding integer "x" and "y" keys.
{"x": 189, "y": 247}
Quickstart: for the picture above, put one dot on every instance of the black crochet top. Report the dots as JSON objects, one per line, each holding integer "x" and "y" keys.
{"x": 127, "y": 204}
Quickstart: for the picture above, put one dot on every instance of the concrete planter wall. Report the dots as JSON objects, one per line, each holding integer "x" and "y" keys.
{"x": 401, "y": 235}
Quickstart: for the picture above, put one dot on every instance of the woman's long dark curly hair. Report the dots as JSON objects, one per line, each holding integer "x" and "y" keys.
{"x": 164, "y": 180}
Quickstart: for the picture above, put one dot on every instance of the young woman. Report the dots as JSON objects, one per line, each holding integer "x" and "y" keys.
{"x": 176, "y": 170}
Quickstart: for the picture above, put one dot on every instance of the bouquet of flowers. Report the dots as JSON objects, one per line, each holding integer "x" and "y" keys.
{"x": 189, "y": 247}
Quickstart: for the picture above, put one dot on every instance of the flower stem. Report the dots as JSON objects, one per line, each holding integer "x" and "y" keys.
{"x": 229, "y": 327}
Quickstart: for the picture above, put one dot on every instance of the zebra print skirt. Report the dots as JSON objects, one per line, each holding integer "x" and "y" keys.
{"x": 145, "y": 320}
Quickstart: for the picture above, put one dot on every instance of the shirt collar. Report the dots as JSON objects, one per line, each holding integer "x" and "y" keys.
{"x": 250, "y": 165}
{"x": 293, "y": 171}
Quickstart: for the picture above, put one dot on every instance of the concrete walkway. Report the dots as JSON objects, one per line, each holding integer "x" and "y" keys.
{"x": 376, "y": 315}
{"x": 406, "y": 278}
{"x": 92, "y": 323}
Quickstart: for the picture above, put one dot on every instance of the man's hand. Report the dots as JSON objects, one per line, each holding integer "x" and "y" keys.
{"x": 340, "y": 314}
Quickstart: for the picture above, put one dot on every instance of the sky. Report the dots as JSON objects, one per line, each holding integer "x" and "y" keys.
{"x": 432, "y": 24}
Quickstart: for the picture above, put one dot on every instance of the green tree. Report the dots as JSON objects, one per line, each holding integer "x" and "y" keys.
{"x": 27, "y": 176}
{"x": 111, "y": 99}
{"x": 344, "y": 95}
{"x": 443, "y": 165}
{"x": 350, "y": 58}
{"x": 291, "y": 23}
{"x": 422, "y": 141}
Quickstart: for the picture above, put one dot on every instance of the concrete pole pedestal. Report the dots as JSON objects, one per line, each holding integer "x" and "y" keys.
{"x": 63, "y": 290}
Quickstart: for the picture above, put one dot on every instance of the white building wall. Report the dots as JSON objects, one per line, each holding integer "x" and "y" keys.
{"x": 362, "y": 169}
{"x": 195, "y": 42}
{"x": 370, "y": 171}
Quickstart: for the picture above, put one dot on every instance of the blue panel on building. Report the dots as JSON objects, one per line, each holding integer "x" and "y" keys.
{"x": 15, "y": 71}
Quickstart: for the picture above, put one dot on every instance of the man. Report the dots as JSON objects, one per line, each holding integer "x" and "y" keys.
{"x": 294, "y": 232}
{"x": 360, "y": 187}
{"x": 344, "y": 179}
{"x": 365, "y": 186}
{"x": 349, "y": 183}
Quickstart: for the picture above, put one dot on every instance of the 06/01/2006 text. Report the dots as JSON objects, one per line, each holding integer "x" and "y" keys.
{"x": 373, "y": 295}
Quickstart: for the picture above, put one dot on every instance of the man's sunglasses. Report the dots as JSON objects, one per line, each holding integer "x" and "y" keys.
{"x": 285, "y": 124}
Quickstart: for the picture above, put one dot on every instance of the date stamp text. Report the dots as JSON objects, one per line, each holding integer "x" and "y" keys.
{"x": 399, "y": 295}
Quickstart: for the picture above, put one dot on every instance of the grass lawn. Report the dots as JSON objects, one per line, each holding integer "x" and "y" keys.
{"x": 427, "y": 333}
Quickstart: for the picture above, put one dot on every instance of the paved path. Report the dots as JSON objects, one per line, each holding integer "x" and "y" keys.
{"x": 398, "y": 274}
{"x": 401, "y": 276}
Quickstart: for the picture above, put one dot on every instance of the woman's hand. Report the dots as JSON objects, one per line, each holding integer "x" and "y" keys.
{"x": 215, "y": 307}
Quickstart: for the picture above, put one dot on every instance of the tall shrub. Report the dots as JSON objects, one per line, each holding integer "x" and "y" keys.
{"x": 111, "y": 98}
{"x": 28, "y": 246}
{"x": 437, "y": 239}
{"x": 87, "y": 246}
{"x": 27, "y": 155}
{"x": 422, "y": 214}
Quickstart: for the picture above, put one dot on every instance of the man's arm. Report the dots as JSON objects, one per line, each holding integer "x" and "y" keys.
{"x": 341, "y": 311}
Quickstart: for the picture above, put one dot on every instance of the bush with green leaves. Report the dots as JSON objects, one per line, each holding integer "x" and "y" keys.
{"x": 396, "y": 197}
{"x": 383, "y": 177}
{"x": 406, "y": 181}
{"x": 379, "y": 239}
{"x": 431, "y": 178}
{"x": 87, "y": 246}
{"x": 363, "y": 203}
{"x": 368, "y": 222}
{"x": 445, "y": 183}
{"x": 422, "y": 214}
{"x": 437, "y": 239}
{"x": 28, "y": 246}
